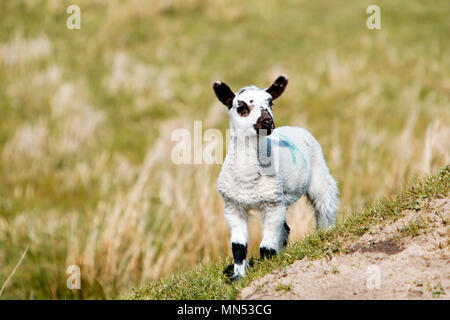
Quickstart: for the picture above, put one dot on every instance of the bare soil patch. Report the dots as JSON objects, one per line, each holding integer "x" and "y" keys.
{"x": 405, "y": 259}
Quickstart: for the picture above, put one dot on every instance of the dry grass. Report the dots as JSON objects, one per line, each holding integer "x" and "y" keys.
{"x": 85, "y": 171}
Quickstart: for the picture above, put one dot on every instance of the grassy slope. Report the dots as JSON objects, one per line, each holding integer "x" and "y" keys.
{"x": 210, "y": 281}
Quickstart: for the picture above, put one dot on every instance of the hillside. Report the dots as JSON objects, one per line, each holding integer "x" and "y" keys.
{"x": 406, "y": 236}
{"x": 405, "y": 259}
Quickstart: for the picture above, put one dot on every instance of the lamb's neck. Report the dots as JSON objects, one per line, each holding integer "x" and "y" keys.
{"x": 243, "y": 153}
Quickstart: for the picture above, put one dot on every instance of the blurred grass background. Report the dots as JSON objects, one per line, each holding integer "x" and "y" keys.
{"x": 86, "y": 117}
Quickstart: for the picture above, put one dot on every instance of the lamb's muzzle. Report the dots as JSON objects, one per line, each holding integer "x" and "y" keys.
{"x": 264, "y": 125}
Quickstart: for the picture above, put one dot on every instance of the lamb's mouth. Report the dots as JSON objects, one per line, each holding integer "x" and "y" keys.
{"x": 264, "y": 130}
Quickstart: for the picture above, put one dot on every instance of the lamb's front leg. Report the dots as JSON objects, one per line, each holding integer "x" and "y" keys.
{"x": 237, "y": 220}
{"x": 275, "y": 230}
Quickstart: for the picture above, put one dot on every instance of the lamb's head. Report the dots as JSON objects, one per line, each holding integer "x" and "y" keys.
{"x": 250, "y": 108}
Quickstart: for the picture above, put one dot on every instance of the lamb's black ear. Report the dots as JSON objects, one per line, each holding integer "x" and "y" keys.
{"x": 224, "y": 93}
{"x": 277, "y": 87}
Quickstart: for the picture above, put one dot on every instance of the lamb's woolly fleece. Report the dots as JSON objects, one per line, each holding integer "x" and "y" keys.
{"x": 297, "y": 168}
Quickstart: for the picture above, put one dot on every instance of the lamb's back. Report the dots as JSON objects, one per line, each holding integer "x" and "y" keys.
{"x": 296, "y": 148}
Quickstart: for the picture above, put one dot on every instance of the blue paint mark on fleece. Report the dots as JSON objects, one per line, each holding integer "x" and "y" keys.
{"x": 293, "y": 150}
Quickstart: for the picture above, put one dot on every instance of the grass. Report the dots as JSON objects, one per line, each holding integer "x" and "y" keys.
{"x": 284, "y": 287}
{"x": 87, "y": 115}
{"x": 414, "y": 228}
{"x": 211, "y": 282}
{"x": 436, "y": 289}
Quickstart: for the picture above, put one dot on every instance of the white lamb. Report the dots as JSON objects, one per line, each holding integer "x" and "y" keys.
{"x": 267, "y": 170}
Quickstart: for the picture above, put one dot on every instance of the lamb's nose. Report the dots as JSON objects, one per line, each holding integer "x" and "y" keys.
{"x": 267, "y": 123}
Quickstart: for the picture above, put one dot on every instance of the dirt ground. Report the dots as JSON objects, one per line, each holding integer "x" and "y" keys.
{"x": 405, "y": 259}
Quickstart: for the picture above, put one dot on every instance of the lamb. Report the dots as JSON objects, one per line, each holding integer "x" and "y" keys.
{"x": 268, "y": 170}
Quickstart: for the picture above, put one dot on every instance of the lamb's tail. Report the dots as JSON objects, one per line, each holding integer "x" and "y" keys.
{"x": 323, "y": 193}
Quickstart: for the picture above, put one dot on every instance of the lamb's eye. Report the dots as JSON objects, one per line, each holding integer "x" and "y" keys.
{"x": 243, "y": 110}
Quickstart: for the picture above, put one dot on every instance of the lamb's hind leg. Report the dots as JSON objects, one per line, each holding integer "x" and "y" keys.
{"x": 237, "y": 220}
{"x": 275, "y": 230}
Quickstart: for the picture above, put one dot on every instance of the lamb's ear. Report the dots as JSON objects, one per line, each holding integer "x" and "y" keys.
{"x": 277, "y": 87}
{"x": 224, "y": 93}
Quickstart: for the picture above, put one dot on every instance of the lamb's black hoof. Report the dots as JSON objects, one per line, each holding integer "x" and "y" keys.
{"x": 267, "y": 253}
{"x": 236, "y": 278}
{"x": 228, "y": 271}
{"x": 229, "y": 274}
